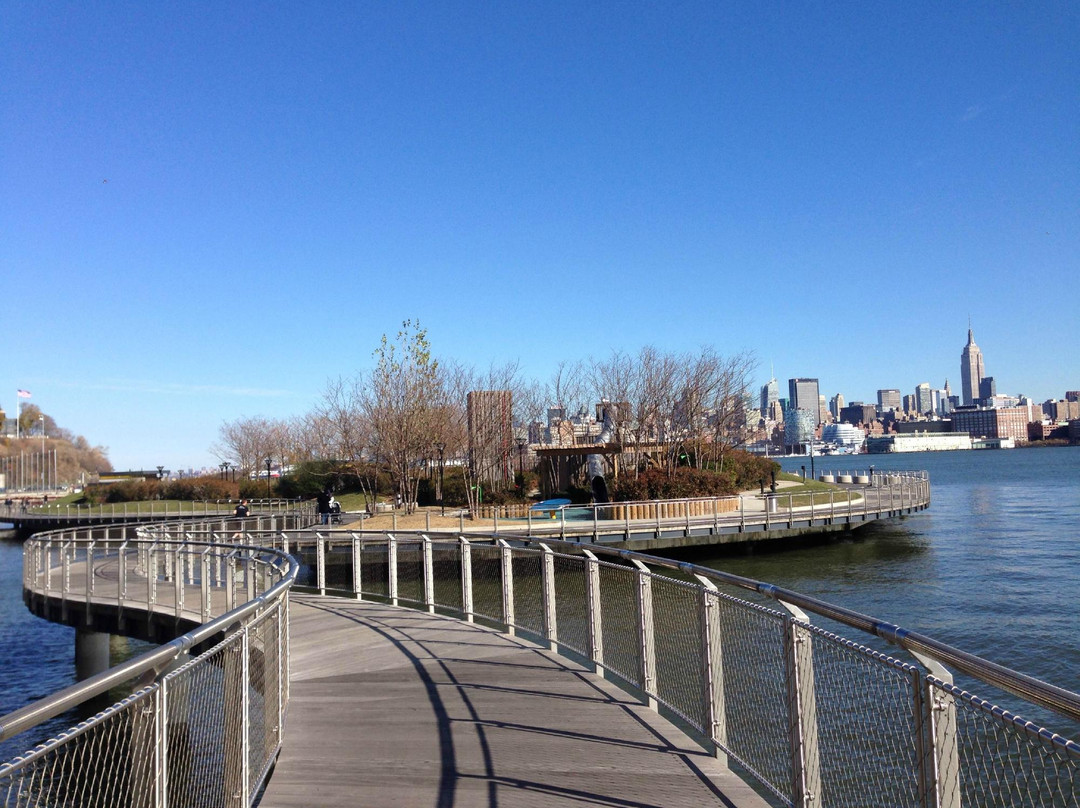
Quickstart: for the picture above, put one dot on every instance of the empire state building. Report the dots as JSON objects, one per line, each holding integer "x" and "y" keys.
{"x": 971, "y": 370}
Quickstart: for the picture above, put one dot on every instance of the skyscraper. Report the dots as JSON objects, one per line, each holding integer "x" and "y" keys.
{"x": 770, "y": 393}
{"x": 803, "y": 395}
{"x": 971, "y": 370}
{"x": 888, "y": 400}
{"x": 923, "y": 402}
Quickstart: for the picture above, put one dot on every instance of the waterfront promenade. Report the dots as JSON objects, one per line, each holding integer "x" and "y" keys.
{"x": 390, "y": 706}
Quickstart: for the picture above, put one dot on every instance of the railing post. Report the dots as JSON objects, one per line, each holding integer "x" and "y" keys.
{"x": 205, "y": 585}
{"x": 646, "y": 634}
{"x": 178, "y": 579}
{"x": 245, "y": 711}
{"x": 595, "y": 614}
{"x": 712, "y": 668}
{"x": 161, "y": 745}
{"x": 121, "y": 586}
{"x": 230, "y": 582}
{"x": 357, "y": 569}
{"x": 429, "y": 575}
{"x": 507, "y": 566}
{"x": 320, "y": 562}
{"x": 391, "y": 568}
{"x": 90, "y": 577}
{"x": 935, "y": 722}
{"x": 151, "y": 579}
{"x": 716, "y": 514}
{"x": 466, "y": 578}
{"x": 802, "y": 710}
{"x": 551, "y": 625}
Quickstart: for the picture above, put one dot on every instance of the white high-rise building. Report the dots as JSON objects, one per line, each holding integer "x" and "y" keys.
{"x": 971, "y": 370}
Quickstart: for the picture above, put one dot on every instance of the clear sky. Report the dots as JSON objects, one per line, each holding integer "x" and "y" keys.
{"x": 209, "y": 209}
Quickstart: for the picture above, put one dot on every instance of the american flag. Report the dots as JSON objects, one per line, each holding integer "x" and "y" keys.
{"x": 23, "y": 393}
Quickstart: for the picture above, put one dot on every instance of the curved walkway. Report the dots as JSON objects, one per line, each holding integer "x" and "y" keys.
{"x": 394, "y": 707}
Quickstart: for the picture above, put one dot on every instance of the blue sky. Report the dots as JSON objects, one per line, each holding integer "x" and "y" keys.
{"x": 208, "y": 209}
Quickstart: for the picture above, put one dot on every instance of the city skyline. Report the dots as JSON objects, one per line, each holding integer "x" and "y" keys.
{"x": 225, "y": 207}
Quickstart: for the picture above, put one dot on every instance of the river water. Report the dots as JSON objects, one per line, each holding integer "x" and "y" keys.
{"x": 993, "y": 567}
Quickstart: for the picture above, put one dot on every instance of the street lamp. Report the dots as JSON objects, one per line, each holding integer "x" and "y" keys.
{"x": 521, "y": 471}
{"x": 439, "y": 447}
{"x": 42, "y": 419}
{"x": 268, "y": 478}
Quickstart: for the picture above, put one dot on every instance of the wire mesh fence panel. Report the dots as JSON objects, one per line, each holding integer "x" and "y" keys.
{"x": 307, "y": 555}
{"x": 105, "y": 761}
{"x": 755, "y": 690}
{"x": 374, "y": 575}
{"x": 679, "y": 648}
{"x": 1004, "y": 760}
{"x": 487, "y": 583}
{"x": 262, "y": 682}
{"x": 410, "y": 571}
{"x": 866, "y": 724}
{"x": 446, "y": 575}
{"x": 195, "y": 735}
{"x": 621, "y": 621}
{"x": 571, "y": 603}
{"x": 528, "y": 591}
{"x": 339, "y": 566}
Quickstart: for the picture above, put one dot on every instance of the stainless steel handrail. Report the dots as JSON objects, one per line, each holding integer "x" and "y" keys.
{"x": 155, "y": 660}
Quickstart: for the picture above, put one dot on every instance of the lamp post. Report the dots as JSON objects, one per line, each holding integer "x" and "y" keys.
{"x": 521, "y": 470}
{"x": 224, "y": 471}
{"x": 42, "y": 419}
{"x": 160, "y": 472}
{"x": 268, "y": 461}
{"x": 439, "y": 447}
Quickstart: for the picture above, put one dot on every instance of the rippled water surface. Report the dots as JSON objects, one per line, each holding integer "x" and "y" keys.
{"x": 992, "y": 567}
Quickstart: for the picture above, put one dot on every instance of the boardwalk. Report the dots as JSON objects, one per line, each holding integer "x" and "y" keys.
{"x": 393, "y": 707}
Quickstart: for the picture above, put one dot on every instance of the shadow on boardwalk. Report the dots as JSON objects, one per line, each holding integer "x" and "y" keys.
{"x": 394, "y": 707}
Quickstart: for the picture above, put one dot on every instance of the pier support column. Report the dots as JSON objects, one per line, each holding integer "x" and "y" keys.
{"x": 91, "y": 653}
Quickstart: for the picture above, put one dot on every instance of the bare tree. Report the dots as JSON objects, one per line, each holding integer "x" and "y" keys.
{"x": 399, "y": 405}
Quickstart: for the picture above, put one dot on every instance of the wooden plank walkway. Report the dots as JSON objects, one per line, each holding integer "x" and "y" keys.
{"x": 395, "y": 707}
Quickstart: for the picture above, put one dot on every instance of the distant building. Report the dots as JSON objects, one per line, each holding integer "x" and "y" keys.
{"x": 920, "y": 442}
{"x": 924, "y": 404}
{"x": 858, "y": 413}
{"x": 1072, "y": 395}
{"x": 889, "y": 400}
{"x": 843, "y": 435}
{"x": 971, "y": 370}
{"x": 798, "y": 427}
{"x": 922, "y": 426}
{"x": 803, "y": 395}
{"x": 987, "y": 388}
{"x": 1000, "y": 422}
{"x": 836, "y": 403}
{"x": 770, "y": 394}
{"x": 909, "y": 404}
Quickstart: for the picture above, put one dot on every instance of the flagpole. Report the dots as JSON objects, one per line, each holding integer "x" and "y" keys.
{"x": 18, "y": 409}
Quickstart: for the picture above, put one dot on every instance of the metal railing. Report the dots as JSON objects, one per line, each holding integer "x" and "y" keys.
{"x": 195, "y": 730}
{"x": 155, "y": 508}
{"x": 815, "y": 718}
{"x": 876, "y": 493}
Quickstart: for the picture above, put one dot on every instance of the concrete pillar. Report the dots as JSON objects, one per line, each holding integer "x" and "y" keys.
{"x": 91, "y": 653}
